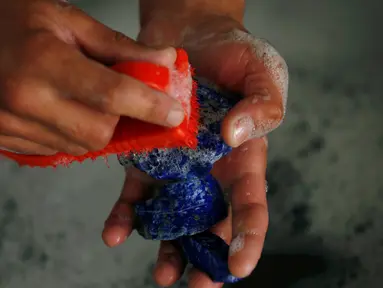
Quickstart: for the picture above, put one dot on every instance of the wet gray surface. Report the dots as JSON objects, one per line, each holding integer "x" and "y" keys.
{"x": 325, "y": 169}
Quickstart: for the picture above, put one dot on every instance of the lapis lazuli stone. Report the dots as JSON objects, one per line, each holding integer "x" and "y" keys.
{"x": 210, "y": 255}
{"x": 182, "y": 208}
{"x": 191, "y": 201}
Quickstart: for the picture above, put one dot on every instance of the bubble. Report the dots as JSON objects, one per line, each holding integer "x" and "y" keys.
{"x": 237, "y": 244}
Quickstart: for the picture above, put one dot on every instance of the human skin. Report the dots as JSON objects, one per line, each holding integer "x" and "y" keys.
{"x": 224, "y": 52}
{"x": 56, "y": 93}
{"x": 47, "y": 46}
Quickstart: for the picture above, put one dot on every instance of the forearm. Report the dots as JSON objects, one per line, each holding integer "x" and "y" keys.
{"x": 150, "y": 9}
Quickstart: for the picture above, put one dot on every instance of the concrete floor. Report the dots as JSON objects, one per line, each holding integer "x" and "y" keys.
{"x": 326, "y": 184}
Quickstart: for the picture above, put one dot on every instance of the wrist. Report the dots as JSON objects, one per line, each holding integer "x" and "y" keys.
{"x": 168, "y": 22}
{"x": 191, "y": 9}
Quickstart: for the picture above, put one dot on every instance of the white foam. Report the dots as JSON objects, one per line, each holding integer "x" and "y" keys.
{"x": 237, "y": 244}
{"x": 180, "y": 88}
{"x": 273, "y": 61}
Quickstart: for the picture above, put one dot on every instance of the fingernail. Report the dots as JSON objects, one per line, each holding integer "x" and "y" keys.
{"x": 243, "y": 130}
{"x": 175, "y": 116}
{"x": 169, "y": 56}
{"x": 163, "y": 55}
{"x": 114, "y": 235}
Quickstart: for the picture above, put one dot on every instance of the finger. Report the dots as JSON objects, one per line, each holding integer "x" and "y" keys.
{"x": 11, "y": 125}
{"x": 250, "y": 158}
{"x": 257, "y": 72}
{"x": 109, "y": 46}
{"x": 249, "y": 206}
{"x": 223, "y": 229}
{"x": 262, "y": 108}
{"x": 43, "y": 103}
{"x": 170, "y": 266}
{"x": 108, "y": 91}
{"x": 19, "y": 145}
{"x": 119, "y": 224}
{"x": 197, "y": 279}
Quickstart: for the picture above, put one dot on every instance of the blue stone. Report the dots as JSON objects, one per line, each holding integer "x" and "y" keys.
{"x": 191, "y": 201}
{"x": 208, "y": 253}
{"x": 178, "y": 164}
{"x": 182, "y": 208}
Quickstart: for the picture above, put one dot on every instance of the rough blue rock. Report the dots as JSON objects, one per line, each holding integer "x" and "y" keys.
{"x": 182, "y": 208}
{"x": 208, "y": 253}
{"x": 191, "y": 200}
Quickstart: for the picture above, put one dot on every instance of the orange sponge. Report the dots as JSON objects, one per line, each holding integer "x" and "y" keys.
{"x": 132, "y": 135}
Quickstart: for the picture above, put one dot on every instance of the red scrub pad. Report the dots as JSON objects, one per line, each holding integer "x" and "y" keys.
{"x": 132, "y": 135}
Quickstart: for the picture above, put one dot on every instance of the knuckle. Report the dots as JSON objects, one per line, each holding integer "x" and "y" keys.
{"x": 119, "y": 36}
{"x": 101, "y": 141}
{"x": 14, "y": 97}
{"x": 276, "y": 66}
{"x": 109, "y": 100}
{"x": 108, "y": 103}
{"x": 151, "y": 110}
{"x": 103, "y": 134}
{"x": 274, "y": 63}
{"x": 122, "y": 95}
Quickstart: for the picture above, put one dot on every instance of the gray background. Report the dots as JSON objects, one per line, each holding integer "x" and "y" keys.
{"x": 325, "y": 168}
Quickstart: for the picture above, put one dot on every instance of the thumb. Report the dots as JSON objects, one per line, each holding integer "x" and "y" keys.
{"x": 108, "y": 46}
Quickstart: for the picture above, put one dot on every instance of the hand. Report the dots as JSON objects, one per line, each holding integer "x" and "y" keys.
{"x": 222, "y": 51}
{"x": 55, "y": 95}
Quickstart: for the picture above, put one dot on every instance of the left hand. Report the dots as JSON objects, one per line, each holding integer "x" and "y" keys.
{"x": 222, "y": 51}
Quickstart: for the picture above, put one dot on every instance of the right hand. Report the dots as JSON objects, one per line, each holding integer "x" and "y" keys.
{"x": 55, "y": 95}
